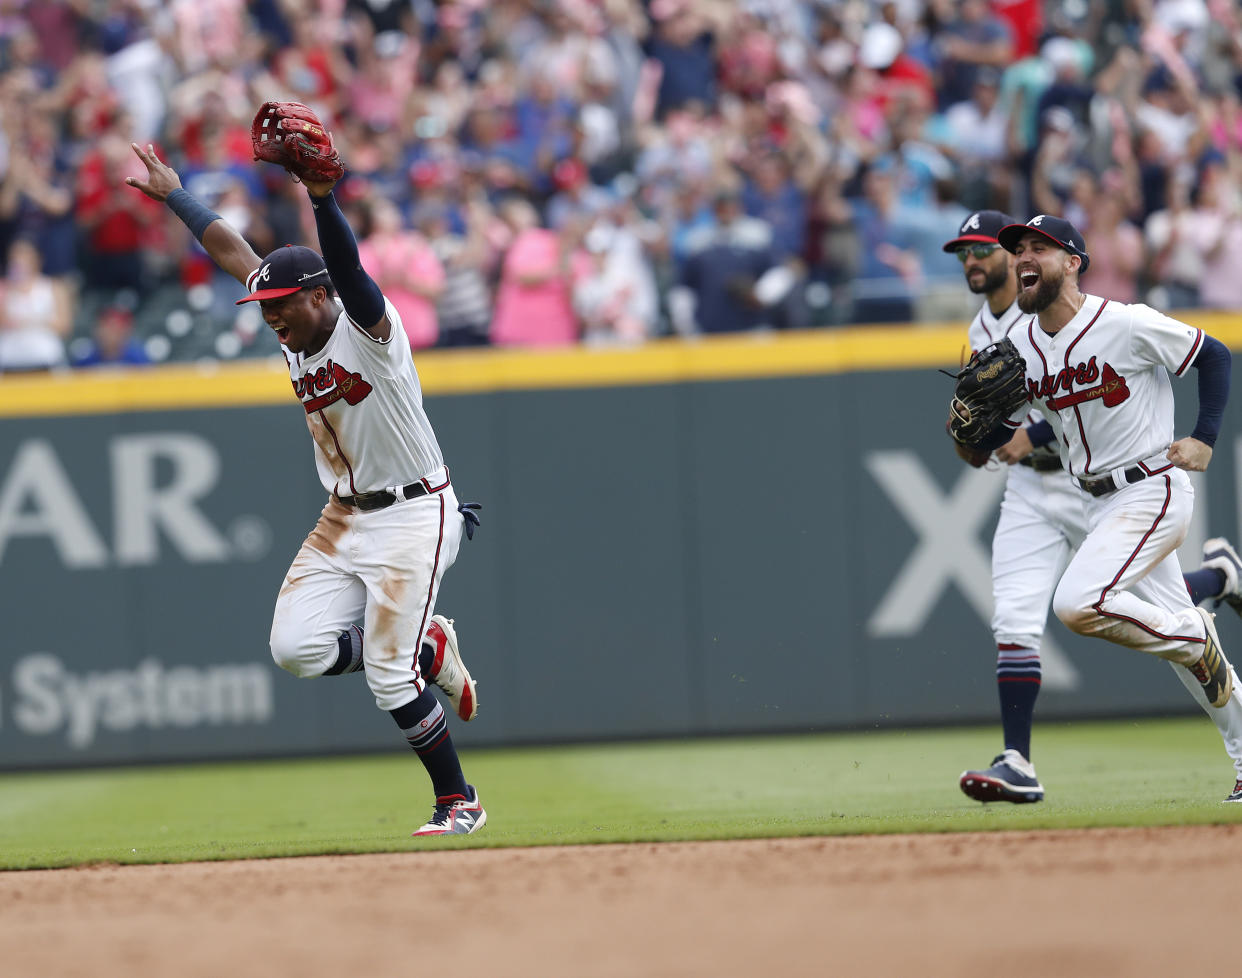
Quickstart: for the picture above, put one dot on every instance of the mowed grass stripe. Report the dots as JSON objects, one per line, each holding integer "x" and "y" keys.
{"x": 1124, "y": 773}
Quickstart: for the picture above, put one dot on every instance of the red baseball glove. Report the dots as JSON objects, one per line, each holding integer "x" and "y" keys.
{"x": 290, "y": 135}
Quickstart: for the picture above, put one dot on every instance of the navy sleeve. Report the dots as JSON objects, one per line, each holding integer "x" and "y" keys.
{"x": 1214, "y": 365}
{"x": 359, "y": 294}
{"x": 1040, "y": 433}
{"x": 1000, "y": 435}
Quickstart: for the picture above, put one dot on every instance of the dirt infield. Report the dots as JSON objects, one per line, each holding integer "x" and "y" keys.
{"x": 1133, "y": 902}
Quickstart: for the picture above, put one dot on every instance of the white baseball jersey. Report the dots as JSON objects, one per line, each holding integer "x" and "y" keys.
{"x": 1103, "y": 380}
{"x": 364, "y": 408}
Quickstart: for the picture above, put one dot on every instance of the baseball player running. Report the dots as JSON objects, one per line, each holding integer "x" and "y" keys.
{"x": 1042, "y": 521}
{"x": 1099, "y": 370}
{"x": 391, "y": 525}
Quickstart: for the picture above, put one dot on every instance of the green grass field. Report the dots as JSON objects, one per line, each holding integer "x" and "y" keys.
{"x": 1144, "y": 772}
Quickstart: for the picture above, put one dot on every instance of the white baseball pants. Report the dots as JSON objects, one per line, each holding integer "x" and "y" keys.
{"x": 1125, "y": 583}
{"x": 383, "y": 566}
{"x": 1042, "y": 520}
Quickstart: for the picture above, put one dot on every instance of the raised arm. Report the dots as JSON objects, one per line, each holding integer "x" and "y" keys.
{"x": 359, "y": 294}
{"x": 220, "y": 240}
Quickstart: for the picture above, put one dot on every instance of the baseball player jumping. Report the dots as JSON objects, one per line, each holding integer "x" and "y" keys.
{"x": 1042, "y": 521}
{"x": 391, "y": 525}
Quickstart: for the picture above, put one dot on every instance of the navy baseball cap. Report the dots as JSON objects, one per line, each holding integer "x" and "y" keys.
{"x": 980, "y": 228}
{"x": 1056, "y": 229}
{"x": 285, "y": 271}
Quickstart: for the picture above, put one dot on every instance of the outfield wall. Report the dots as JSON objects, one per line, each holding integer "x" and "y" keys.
{"x": 765, "y": 533}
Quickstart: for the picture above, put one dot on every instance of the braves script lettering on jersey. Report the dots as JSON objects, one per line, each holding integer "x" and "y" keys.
{"x": 336, "y": 381}
{"x": 1104, "y": 380}
{"x": 364, "y": 408}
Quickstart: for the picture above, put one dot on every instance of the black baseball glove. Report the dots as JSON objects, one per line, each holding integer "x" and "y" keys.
{"x": 989, "y": 389}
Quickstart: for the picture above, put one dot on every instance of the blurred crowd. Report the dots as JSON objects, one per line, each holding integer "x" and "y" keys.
{"x": 542, "y": 172}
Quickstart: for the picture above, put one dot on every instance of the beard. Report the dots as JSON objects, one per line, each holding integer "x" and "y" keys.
{"x": 993, "y": 280}
{"x": 1044, "y": 294}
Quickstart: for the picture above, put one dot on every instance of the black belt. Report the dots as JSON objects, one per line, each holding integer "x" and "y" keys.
{"x": 381, "y": 498}
{"x": 1043, "y": 463}
{"x": 1102, "y": 487}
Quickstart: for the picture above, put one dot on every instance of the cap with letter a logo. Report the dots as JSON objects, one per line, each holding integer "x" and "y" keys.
{"x": 1056, "y": 229}
{"x": 980, "y": 228}
{"x": 285, "y": 271}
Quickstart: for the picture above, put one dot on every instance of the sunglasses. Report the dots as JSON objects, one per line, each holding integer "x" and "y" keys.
{"x": 975, "y": 251}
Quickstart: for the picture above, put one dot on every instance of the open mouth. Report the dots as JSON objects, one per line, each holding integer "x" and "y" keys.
{"x": 1028, "y": 279}
{"x": 282, "y": 333}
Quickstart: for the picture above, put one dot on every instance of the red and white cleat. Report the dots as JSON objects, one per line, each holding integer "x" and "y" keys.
{"x": 455, "y": 815}
{"x": 449, "y": 672}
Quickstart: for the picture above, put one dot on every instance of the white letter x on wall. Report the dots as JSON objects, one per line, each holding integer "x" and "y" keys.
{"x": 949, "y": 551}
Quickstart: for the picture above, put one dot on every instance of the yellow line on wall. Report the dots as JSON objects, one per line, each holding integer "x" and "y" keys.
{"x": 733, "y": 357}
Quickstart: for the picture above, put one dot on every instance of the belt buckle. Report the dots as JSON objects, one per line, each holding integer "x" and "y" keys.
{"x": 360, "y": 502}
{"x": 382, "y": 499}
{"x": 368, "y": 501}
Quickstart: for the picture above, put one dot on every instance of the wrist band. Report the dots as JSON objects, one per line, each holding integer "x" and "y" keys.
{"x": 191, "y": 211}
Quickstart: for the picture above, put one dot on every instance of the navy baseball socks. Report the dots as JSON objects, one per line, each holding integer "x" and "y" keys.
{"x": 1219, "y": 576}
{"x": 439, "y": 660}
{"x": 458, "y": 810}
{"x": 1019, "y": 675}
{"x": 348, "y": 653}
{"x": 1012, "y": 776}
{"x": 1204, "y": 584}
{"x": 425, "y": 726}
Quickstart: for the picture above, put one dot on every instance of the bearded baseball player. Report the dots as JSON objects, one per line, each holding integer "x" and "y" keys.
{"x": 1042, "y": 521}
{"x": 391, "y": 525}
{"x": 1099, "y": 371}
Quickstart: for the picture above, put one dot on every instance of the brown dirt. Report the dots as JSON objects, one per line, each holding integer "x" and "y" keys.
{"x": 1132, "y": 902}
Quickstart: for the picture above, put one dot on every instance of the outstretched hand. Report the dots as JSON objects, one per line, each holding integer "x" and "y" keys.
{"x": 162, "y": 179}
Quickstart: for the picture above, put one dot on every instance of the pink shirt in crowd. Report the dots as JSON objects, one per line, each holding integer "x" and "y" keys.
{"x": 395, "y": 261}
{"x": 1116, "y": 260}
{"x": 540, "y": 312}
